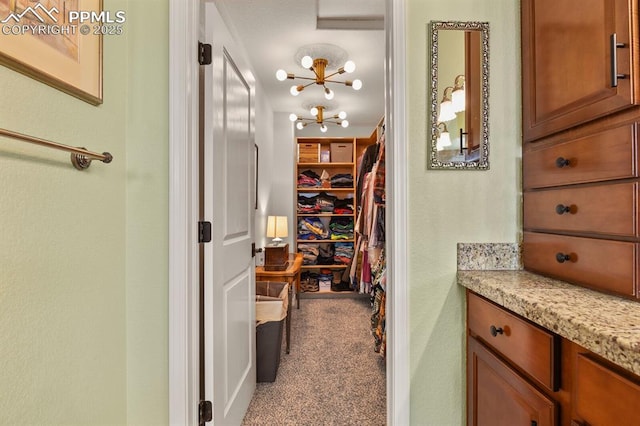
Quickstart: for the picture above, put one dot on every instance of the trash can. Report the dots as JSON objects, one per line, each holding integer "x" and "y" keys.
{"x": 272, "y": 302}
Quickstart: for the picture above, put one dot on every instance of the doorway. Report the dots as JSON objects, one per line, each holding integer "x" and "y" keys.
{"x": 183, "y": 215}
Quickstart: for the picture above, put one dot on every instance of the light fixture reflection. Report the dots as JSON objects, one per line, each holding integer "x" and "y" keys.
{"x": 444, "y": 138}
{"x": 446, "y": 107}
{"x": 458, "y": 94}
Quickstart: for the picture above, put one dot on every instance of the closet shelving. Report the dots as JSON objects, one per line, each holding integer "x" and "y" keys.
{"x": 310, "y": 151}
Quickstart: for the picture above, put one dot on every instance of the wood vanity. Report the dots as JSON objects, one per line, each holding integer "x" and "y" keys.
{"x": 541, "y": 351}
{"x": 545, "y": 352}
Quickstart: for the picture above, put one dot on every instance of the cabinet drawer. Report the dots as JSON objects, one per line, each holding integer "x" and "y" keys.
{"x": 600, "y": 209}
{"x": 605, "y": 155}
{"x": 602, "y": 395}
{"x": 532, "y": 349}
{"x": 604, "y": 265}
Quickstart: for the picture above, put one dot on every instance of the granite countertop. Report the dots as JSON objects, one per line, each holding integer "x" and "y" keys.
{"x": 604, "y": 324}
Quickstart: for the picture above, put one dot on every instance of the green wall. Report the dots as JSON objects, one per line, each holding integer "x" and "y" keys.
{"x": 447, "y": 207}
{"x": 83, "y": 275}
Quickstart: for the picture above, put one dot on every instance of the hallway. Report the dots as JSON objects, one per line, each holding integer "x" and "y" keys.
{"x": 332, "y": 375}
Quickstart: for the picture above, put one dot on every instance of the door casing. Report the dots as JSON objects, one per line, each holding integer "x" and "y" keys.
{"x": 183, "y": 215}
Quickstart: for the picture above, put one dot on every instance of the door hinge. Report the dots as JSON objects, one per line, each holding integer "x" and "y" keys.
{"x": 205, "y": 410}
{"x": 204, "y": 232}
{"x": 253, "y": 249}
{"x": 204, "y": 53}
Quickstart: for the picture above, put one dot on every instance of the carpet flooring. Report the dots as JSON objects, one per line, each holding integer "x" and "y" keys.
{"x": 332, "y": 376}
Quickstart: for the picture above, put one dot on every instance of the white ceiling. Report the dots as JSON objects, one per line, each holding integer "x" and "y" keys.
{"x": 272, "y": 31}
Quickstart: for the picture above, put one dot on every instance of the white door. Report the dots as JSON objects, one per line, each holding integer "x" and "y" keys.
{"x": 230, "y": 371}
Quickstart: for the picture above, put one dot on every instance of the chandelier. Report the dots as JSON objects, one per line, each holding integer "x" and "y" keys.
{"x": 318, "y": 113}
{"x": 327, "y": 56}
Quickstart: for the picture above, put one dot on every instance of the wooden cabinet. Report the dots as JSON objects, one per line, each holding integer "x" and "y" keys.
{"x": 508, "y": 359}
{"x": 579, "y": 62}
{"x": 580, "y": 154}
{"x": 602, "y": 396}
{"x": 506, "y": 376}
{"x": 326, "y": 206}
{"x": 499, "y": 396}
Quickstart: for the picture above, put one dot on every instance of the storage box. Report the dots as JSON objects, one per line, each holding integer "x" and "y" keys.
{"x": 341, "y": 152}
{"x": 308, "y": 153}
{"x": 276, "y": 257}
{"x": 325, "y": 285}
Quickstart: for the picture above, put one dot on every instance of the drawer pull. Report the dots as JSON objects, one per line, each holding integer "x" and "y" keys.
{"x": 562, "y": 209}
{"x": 495, "y": 331}
{"x": 561, "y": 162}
{"x": 561, "y": 257}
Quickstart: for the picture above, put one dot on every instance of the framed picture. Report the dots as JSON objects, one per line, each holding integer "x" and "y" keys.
{"x": 43, "y": 40}
{"x": 257, "y": 158}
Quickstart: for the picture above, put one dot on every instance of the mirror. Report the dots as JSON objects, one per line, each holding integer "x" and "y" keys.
{"x": 459, "y": 137}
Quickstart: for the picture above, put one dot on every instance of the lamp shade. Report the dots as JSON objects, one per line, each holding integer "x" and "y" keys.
{"x": 277, "y": 228}
{"x": 458, "y": 100}
{"x": 446, "y": 111}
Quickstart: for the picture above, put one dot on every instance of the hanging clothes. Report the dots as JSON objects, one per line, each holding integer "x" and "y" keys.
{"x": 371, "y": 237}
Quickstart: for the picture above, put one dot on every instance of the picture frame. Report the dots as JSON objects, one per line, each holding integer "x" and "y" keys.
{"x": 70, "y": 61}
{"x": 256, "y": 158}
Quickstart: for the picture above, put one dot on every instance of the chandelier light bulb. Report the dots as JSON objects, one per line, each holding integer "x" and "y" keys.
{"x": 349, "y": 66}
{"x": 300, "y": 125}
{"x": 357, "y": 84}
{"x": 294, "y": 90}
{"x": 344, "y": 123}
{"x": 314, "y": 111}
{"x": 342, "y": 115}
{"x": 328, "y": 93}
{"x": 307, "y": 61}
{"x": 281, "y": 75}
{"x": 323, "y": 128}
{"x": 293, "y": 117}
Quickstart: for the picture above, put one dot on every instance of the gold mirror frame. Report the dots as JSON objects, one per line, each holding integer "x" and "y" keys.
{"x": 482, "y": 162}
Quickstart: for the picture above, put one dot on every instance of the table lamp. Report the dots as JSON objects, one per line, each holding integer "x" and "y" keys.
{"x": 276, "y": 254}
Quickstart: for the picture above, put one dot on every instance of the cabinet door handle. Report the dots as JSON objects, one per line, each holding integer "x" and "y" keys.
{"x": 561, "y": 257}
{"x": 562, "y": 209}
{"x": 495, "y": 330}
{"x": 614, "y": 60}
{"x": 561, "y": 162}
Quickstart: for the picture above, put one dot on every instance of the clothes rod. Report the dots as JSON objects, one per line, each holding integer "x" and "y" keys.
{"x": 80, "y": 157}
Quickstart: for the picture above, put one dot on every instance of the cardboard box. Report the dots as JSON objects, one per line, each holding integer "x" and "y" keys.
{"x": 308, "y": 153}
{"x": 341, "y": 152}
